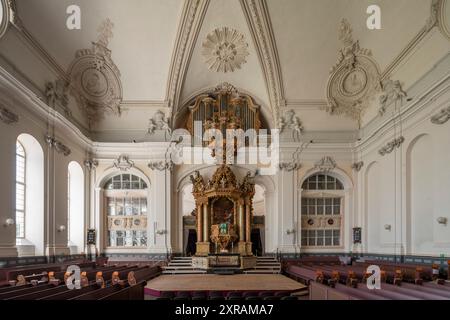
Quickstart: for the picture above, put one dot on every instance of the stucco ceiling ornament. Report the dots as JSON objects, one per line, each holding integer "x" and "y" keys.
{"x": 57, "y": 145}
{"x": 56, "y": 95}
{"x": 326, "y": 164}
{"x": 95, "y": 79}
{"x": 226, "y": 87}
{"x": 91, "y": 164}
{"x": 225, "y": 50}
{"x": 7, "y": 116}
{"x": 390, "y": 146}
{"x": 442, "y": 116}
{"x": 291, "y": 121}
{"x": 354, "y": 79}
{"x": 158, "y": 122}
{"x": 123, "y": 163}
{"x": 357, "y": 166}
{"x": 392, "y": 91}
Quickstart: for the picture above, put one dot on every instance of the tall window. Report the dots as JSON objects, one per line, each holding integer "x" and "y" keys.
{"x": 126, "y": 206}
{"x": 322, "y": 206}
{"x": 68, "y": 205}
{"x": 20, "y": 191}
{"x": 75, "y": 207}
{"x": 29, "y": 196}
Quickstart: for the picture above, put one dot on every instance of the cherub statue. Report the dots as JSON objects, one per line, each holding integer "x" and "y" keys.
{"x": 197, "y": 182}
{"x": 247, "y": 185}
{"x": 50, "y": 93}
{"x": 158, "y": 122}
{"x": 291, "y": 121}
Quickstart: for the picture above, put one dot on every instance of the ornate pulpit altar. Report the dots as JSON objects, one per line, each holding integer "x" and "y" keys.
{"x": 224, "y": 215}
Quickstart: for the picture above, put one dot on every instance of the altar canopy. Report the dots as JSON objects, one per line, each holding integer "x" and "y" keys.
{"x": 224, "y": 212}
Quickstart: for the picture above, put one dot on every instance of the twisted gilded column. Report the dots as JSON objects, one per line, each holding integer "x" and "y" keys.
{"x": 205, "y": 222}
{"x": 199, "y": 222}
{"x": 241, "y": 222}
{"x": 248, "y": 220}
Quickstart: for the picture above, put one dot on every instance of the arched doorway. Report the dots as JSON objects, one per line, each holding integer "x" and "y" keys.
{"x": 258, "y": 229}
{"x": 189, "y": 227}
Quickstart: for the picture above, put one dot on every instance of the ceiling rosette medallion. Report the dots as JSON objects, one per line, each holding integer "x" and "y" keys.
{"x": 354, "y": 80}
{"x": 95, "y": 79}
{"x": 225, "y": 50}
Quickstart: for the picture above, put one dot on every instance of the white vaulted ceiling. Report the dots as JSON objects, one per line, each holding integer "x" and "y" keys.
{"x": 307, "y": 36}
{"x": 144, "y": 34}
{"x": 292, "y": 44}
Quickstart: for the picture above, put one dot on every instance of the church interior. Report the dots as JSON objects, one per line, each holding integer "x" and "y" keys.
{"x": 242, "y": 150}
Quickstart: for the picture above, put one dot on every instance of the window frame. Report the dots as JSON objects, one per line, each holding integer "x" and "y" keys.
{"x": 315, "y": 200}
{"x": 129, "y": 194}
{"x": 24, "y": 184}
{"x": 68, "y": 206}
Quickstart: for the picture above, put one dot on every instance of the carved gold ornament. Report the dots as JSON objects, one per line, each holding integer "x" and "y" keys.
{"x": 225, "y": 50}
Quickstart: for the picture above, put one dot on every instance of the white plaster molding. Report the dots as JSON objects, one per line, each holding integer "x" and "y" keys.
{"x": 289, "y": 166}
{"x": 290, "y": 121}
{"x": 123, "y": 163}
{"x": 161, "y": 165}
{"x": 95, "y": 79}
{"x": 26, "y": 98}
{"x": 57, "y": 145}
{"x": 225, "y": 50}
{"x": 443, "y": 20}
{"x": 433, "y": 21}
{"x": 355, "y": 78}
{"x": 158, "y": 122}
{"x": 390, "y": 146}
{"x": 392, "y": 91}
{"x": 91, "y": 164}
{"x": 7, "y": 116}
{"x": 56, "y": 94}
{"x": 326, "y": 164}
{"x": 190, "y": 24}
{"x": 260, "y": 26}
{"x": 7, "y": 15}
{"x": 423, "y": 99}
{"x": 442, "y": 117}
{"x": 29, "y": 40}
{"x": 357, "y": 166}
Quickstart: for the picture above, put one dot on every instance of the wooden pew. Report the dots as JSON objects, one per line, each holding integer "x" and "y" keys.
{"x": 97, "y": 294}
{"x": 68, "y": 294}
{"x": 301, "y": 274}
{"x": 34, "y": 294}
{"x": 340, "y": 292}
{"x": 440, "y": 291}
{"x": 135, "y": 292}
{"x": 399, "y": 293}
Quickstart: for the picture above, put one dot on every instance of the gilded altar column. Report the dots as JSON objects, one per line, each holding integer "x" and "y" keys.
{"x": 205, "y": 222}
{"x": 199, "y": 222}
{"x": 248, "y": 221}
{"x": 241, "y": 222}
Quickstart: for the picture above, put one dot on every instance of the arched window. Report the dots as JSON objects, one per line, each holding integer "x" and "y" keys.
{"x": 75, "y": 207}
{"x": 321, "y": 209}
{"x": 20, "y": 190}
{"x": 322, "y": 182}
{"x": 29, "y": 196}
{"x": 126, "y": 206}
